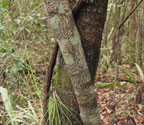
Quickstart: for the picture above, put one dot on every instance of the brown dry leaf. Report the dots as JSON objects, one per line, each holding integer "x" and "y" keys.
{"x": 87, "y": 20}
{"x": 140, "y": 118}
{"x": 125, "y": 120}
{"x": 118, "y": 111}
{"x": 102, "y": 91}
{"x": 97, "y": 96}
{"x": 121, "y": 78}
{"x": 106, "y": 120}
{"x": 127, "y": 91}
{"x": 107, "y": 95}
{"x": 39, "y": 117}
{"x": 108, "y": 110}
{"x": 119, "y": 117}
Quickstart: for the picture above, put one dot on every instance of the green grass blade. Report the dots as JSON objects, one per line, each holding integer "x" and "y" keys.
{"x": 131, "y": 81}
{"x": 7, "y": 104}
{"x": 130, "y": 74}
{"x": 140, "y": 72}
{"x": 111, "y": 85}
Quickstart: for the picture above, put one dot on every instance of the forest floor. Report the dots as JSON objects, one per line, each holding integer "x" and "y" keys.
{"x": 128, "y": 108}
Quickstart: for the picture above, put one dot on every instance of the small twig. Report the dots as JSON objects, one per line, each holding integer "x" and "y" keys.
{"x": 130, "y": 14}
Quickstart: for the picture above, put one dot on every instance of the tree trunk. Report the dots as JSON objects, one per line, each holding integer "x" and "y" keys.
{"x": 132, "y": 43}
{"x": 140, "y": 39}
{"x": 116, "y": 45}
{"x": 90, "y": 17}
{"x": 90, "y": 25}
{"x": 68, "y": 38}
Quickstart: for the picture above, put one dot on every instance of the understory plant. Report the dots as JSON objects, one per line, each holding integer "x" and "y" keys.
{"x": 59, "y": 113}
{"x": 18, "y": 115}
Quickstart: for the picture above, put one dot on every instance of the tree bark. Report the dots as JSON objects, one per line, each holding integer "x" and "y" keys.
{"x": 66, "y": 34}
{"x": 133, "y": 28}
{"x": 90, "y": 26}
{"x": 90, "y": 23}
{"x": 116, "y": 45}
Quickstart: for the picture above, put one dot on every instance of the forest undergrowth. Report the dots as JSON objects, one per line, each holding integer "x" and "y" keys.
{"x": 129, "y": 102}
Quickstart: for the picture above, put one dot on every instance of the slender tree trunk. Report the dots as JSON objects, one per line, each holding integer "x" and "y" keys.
{"x": 47, "y": 84}
{"x": 132, "y": 42}
{"x": 141, "y": 38}
{"x": 116, "y": 45}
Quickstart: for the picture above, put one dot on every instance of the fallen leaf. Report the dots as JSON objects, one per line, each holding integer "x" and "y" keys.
{"x": 140, "y": 118}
